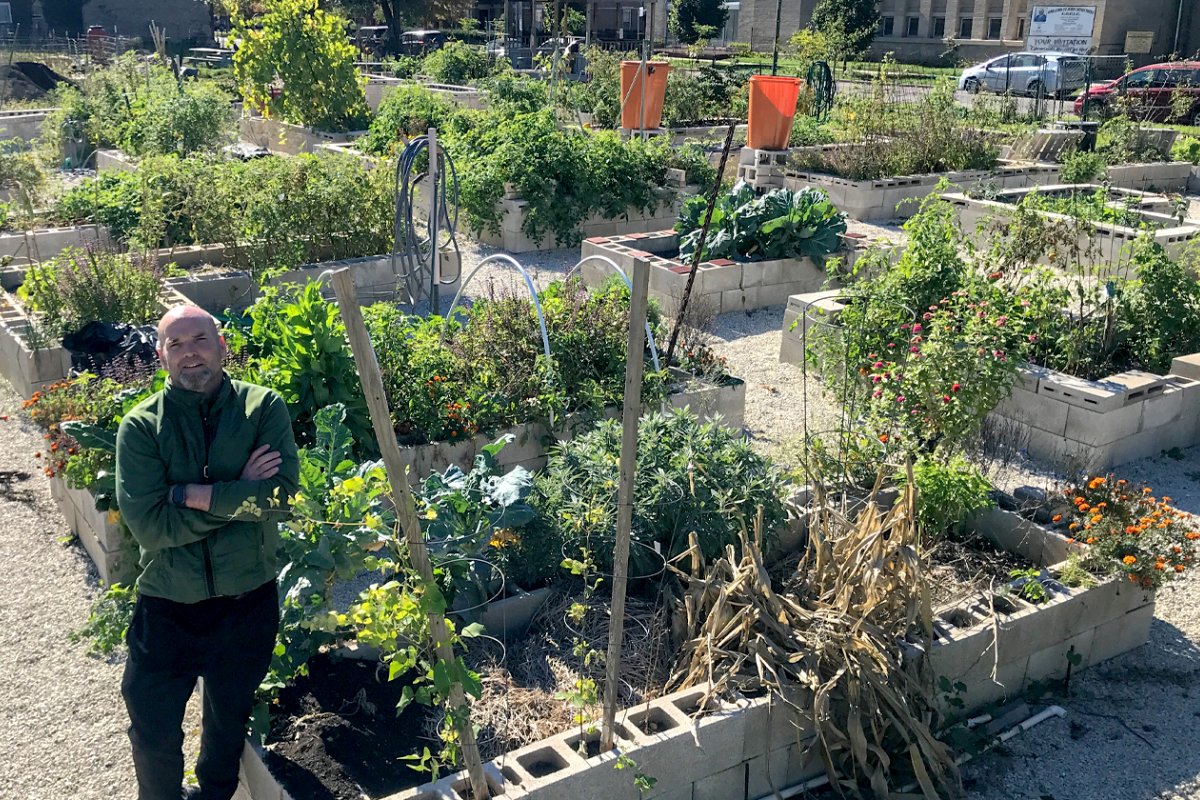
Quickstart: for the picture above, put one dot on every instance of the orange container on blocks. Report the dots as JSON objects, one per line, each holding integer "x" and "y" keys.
{"x": 656, "y": 90}
{"x": 772, "y": 109}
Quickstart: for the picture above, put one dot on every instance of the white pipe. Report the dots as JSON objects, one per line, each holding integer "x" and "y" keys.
{"x": 1052, "y": 711}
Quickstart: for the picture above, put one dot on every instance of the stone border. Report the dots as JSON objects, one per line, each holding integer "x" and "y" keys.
{"x": 1101, "y": 424}
{"x": 465, "y": 96}
{"x": 513, "y": 239}
{"x": 25, "y": 125}
{"x": 728, "y": 285}
{"x": 285, "y": 138}
{"x": 104, "y": 537}
{"x": 530, "y": 447}
{"x": 1167, "y": 176}
{"x": 754, "y": 746}
{"x": 42, "y": 244}
{"x": 1108, "y": 242}
{"x": 882, "y": 199}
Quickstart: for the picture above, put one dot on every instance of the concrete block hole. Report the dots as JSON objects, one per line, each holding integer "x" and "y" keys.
{"x": 651, "y": 721}
{"x": 591, "y": 740}
{"x": 463, "y": 788}
{"x": 541, "y": 763}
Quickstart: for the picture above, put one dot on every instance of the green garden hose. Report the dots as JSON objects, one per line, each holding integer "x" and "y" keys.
{"x": 820, "y": 81}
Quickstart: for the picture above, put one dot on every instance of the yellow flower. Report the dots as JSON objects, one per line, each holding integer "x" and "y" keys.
{"x": 431, "y": 513}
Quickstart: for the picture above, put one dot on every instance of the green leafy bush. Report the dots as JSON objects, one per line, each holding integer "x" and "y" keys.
{"x": 406, "y": 112}
{"x": 746, "y": 227}
{"x": 299, "y": 45}
{"x": 142, "y": 109}
{"x": 692, "y": 477}
{"x": 272, "y": 214}
{"x": 80, "y": 286}
{"x": 1186, "y": 148}
{"x": 457, "y": 63}
{"x": 948, "y": 491}
{"x": 108, "y": 620}
{"x": 1082, "y": 167}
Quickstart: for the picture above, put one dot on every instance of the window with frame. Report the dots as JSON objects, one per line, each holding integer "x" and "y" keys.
{"x": 626, "y": 17}
{"x": 994, "y": 26}
{"x": 1021, "y": 28}
{"x": 939, "y": 27}
{"x": 1139, "y": 80}
{"x": 964, "y": 28}
{"x": 887, "y": 26}
{"x": 6, "y": 14}
{"x": 913, "y": 26}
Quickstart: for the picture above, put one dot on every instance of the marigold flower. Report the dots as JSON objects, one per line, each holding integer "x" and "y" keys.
{"x": 1101, "y": 505}
{"x": 1130, "y": 530}
{"x": 1193, "y": 536}
{"x": 1176, "y": 549}
{"x": 1133, "y": 578}
{"x": 1070, "y": 541}
{"x": 38, "y": 454}
{"x": 1097, "y": 518}
{"x": 1179, "y": 567}
{"x": 1073, "y": 526}
{"x": 883, "y": 438}
{"x": 1129, "y": 559}
{"x": 1166, "y": 499}
{"x": 1085, "y": 508}
{"x": 1160, "y": 566}
{"x": 1057, "y": 518}
{"x": 1121, "y": 482}
{"x": 1147, "y": 490}
{"x": 1092, "y": 540}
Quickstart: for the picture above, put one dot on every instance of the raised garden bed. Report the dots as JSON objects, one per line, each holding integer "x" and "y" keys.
{"x": 1167, "y": 176}
{"x": 1091, "y": 425}
{"x": 1100, "y": 243}
{"x": 757, "y": 745}
{"x": 1100, "y": 424}
{"x": 727, "y": 285}
{"x": 41, "y": 244}
{"x": 26, "y": 125}
{"x": 513, "y": 238}
{"x": 532, "y": 440}
{"x": 285, "y": 138}
{"x": 103, "y": 535}
{"x": 889, "y": 198}
{"x": 465, "y": 96}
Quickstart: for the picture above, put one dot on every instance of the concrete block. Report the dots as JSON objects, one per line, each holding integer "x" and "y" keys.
{"x": 255, "y": 777}
{"x": 1162, "y": 408}
{"x": 1122, "y": 634}
{"x": 1010, "y": 531}
{"x": 724, "y": 785}
{"x": 1008, "y": 682}
{"x": 1043, "y": 412}
{"x": 1145, "y": 443}
{"x": 1095, "y": 428}
{"x": 1051, "y": 662}
{"x": 720, "y": 279}
{"x": 1093, "y": 395}
{"x": 768, "y": 773}
{"x": 735, "y": 300}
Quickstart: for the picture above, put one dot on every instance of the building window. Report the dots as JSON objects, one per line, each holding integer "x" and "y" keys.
{"x": 627, "y": 18}
{"x": 1021, "y": 28}
{"x": 939, "y": 27}
{"x": 914, "y": 25}
{"x": 887, "y": 26}
{"x": 994, "y": 27}
{"x": 6, "y": 14}
{"x": 964, "y": 28}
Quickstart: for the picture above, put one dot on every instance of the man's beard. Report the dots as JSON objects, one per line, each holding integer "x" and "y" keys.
{"x": 195, "y": 380}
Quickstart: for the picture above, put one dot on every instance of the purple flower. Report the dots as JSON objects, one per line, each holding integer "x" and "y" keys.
{"x": 900, "y": 398}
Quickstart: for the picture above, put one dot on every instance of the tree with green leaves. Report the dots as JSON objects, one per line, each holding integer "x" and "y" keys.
{"x": 297, "y": 62}
{"x": 690, "y": 19}
{"x": 849, "y": 26}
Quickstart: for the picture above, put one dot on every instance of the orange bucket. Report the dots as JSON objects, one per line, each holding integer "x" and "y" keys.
{"x": 772, "y": 109}
{"x": 631, "y": 93}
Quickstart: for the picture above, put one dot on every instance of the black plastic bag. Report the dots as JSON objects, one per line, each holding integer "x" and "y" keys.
{"x": 98, "y": 344}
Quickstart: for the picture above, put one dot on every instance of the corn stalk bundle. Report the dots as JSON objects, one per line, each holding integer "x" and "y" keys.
{"x": 831, "y": 645}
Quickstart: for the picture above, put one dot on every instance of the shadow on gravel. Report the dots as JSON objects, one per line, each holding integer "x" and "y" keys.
{"x": 9, "y": 489}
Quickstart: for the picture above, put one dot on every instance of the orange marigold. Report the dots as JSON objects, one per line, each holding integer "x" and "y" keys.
{"x": 1179, "y": 567}
{"x": 1092, "y": 540}
{"x": 1129, "y": 560}
{"x": 1160, "y": 566}
{"x": 1097, "y": 518}
{"x": 1057, "y": 518}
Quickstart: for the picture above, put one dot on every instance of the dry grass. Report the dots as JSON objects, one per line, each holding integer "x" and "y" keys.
{"x": 519, "y": 706}
{"x": 830, "y": 646}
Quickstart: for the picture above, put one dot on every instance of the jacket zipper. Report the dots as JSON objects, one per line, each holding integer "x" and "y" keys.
{"x": 209, "y": 577}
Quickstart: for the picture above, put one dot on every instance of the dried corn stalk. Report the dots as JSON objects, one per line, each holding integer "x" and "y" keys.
{"x": 830, "y": 645}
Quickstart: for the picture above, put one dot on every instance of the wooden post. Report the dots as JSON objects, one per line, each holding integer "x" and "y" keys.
{"x": 393, "y": 462}
{"x": 635, "y": 362}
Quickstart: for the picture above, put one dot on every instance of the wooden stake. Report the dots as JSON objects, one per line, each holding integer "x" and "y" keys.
{"x": 393, "y": 462}
{"x": 635, "y": 362}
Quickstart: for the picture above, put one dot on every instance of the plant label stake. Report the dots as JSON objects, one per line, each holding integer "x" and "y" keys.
{"x": 393, "y": 462}
{"x": 635, "y": 362}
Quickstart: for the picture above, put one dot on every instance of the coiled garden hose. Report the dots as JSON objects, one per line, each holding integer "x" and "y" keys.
{"x": 820, "y": 81}
{"x": 416, "y": 241}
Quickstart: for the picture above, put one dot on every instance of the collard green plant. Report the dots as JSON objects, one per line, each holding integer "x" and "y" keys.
{"x": 746, "y": 227}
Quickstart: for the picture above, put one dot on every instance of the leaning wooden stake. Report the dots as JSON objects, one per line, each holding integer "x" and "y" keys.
{"x": 634, "y": 364}
{"x": 393, "y": 462}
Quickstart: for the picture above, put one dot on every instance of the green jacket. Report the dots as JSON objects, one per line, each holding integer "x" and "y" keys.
{"x": 189, "y": 555}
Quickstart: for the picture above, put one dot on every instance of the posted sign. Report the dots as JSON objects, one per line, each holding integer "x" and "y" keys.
{"x": 1067, "y": 29}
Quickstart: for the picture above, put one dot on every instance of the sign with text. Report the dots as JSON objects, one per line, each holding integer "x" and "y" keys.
{"x": 1066, "y": 29}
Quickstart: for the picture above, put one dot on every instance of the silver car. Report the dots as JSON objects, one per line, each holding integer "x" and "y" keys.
{"x": 1046, "y": 74}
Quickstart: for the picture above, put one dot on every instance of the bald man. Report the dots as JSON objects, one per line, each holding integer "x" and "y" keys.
{"x": 205, "y": 468}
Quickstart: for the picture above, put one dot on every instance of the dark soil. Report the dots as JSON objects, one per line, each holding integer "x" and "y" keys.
{"x": 961, "y": 568}
{"x": 335, "y": 734}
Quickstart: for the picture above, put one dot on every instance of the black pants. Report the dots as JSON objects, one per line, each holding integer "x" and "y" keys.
{"x": 228, "y": 642}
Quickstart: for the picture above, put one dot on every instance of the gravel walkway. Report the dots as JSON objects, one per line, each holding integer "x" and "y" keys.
{"x": 62, "y": 734}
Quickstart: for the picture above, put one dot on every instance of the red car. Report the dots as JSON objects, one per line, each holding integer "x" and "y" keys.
{"x": 1152, "y": 92}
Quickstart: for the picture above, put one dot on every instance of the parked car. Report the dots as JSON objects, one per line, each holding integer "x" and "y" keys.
{"x": 501, "y": 48}
{"x": 1151, "y": 91}
{"x": 418, "y": 43}
{"x": 371, "y": 38}
{"x": 567, "y": 46}
{"x": 1047, "y": 74}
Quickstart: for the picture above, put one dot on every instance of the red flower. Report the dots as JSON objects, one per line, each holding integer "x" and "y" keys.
{"x": 956, "y": 387}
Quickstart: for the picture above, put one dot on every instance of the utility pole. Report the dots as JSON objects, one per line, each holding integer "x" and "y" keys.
{"x": 775, "y": 49}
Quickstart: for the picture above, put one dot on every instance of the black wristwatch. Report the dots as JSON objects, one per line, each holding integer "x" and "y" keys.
{"x": 179, "y": 495}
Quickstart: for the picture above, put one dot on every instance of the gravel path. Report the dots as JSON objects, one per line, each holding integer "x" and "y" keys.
{"x": 62, "y": 734}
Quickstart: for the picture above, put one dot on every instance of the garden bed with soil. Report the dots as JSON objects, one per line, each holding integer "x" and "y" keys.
{"x": 1103, "y": 241}
{"x": 996, "y": 644}
{"x": 889, "y": 198}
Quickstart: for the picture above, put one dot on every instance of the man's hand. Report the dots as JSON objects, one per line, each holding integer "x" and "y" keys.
{"x": 262, "y": 464}
{"x": 197, "y": 496}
